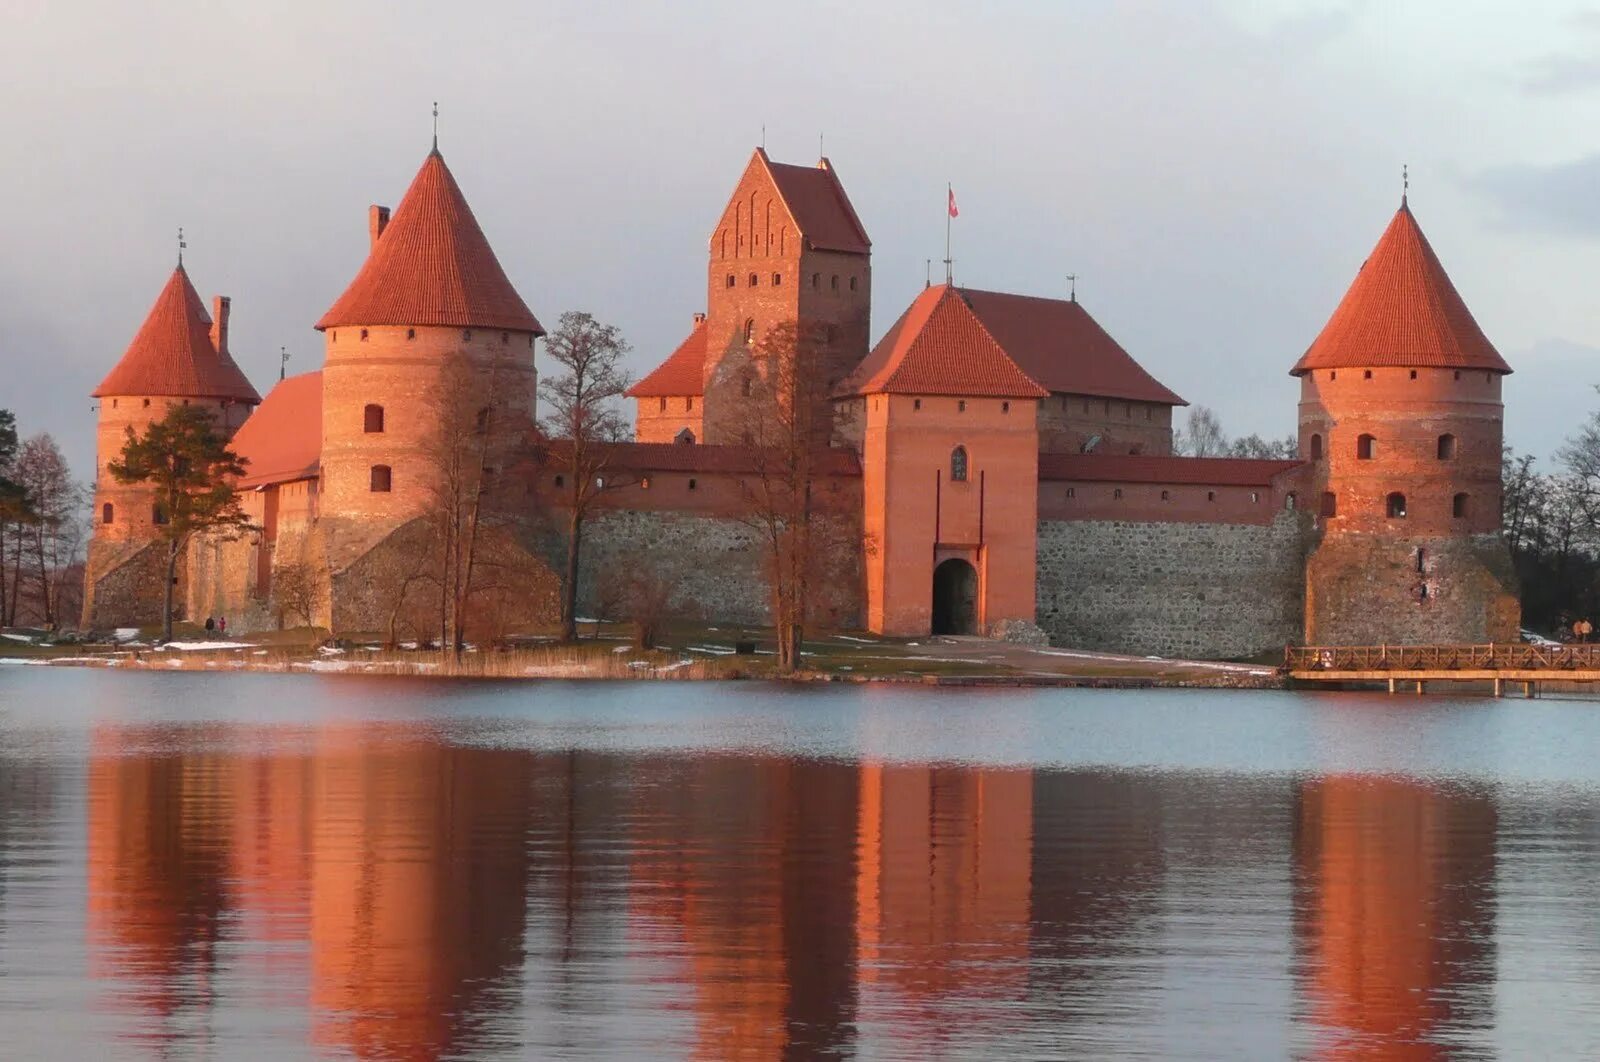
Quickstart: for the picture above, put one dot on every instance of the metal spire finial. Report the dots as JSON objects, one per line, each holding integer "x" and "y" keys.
{"x": 763, "y": 136}
{"x": 1072, "y": 283}
{"x": 283, "y": 362}
{"x": 181, "y": 246}
{"x": 435, "y": 127}
{"x": 1405, "y": 182}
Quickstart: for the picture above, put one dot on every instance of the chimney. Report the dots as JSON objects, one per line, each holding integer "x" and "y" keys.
{"x": 699, "y": 318}
{"x": 220, "y": 304}
{"x": 377, "y": 221}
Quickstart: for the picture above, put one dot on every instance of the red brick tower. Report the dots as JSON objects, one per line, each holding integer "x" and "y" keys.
{"x": 178, "y": 357}
{"x": 788, "y": 248}
{"x": 1400, "y": 419}
{"x": 430, "y": 291}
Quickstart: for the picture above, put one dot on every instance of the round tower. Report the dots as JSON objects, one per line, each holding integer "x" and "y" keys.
{"x": 1401, "y": 424}
{"x": 179, "y": 356}
{"x": 430, "y": 310}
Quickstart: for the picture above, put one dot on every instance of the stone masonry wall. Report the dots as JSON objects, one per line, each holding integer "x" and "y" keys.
{"x": 1215, "y": 591}
{"x": 717, "y": 562}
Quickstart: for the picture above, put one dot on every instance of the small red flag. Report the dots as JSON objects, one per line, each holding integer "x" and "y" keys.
{"x": 953, "y": 211}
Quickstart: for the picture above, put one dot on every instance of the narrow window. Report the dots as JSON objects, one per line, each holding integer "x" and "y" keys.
{"x": 363, "y": 335}
{"x": 1290, "y": 501}
{"x": 1458, "y": 506}
{"x": 1422, "y": 560}
{"x": 411, "y": 333}
{"x": 644, "y": 483}
{"x": 466, "y": 335}
{"x": 505, "y": 337}
{"x": 1117, "y": 494}
{"x": 916, "y": 403}
{"x": 1330, "y": 503}
{"x": 958, "y": 465}
{"x": 1447, "y": 447}
{"x": 961, "y": 405}
{"x": 749, "y": 329}
{"x": 158, "y": 515}
{"x": 1395, "y": 506}
{"x": 1366, "y": 374}
{"x": 852, "y": 283}
{"x": 1005, "y": 407}
{"x": 692, "y": 484}
{"x": 380, "y": 479}
{"x": 1316, "y": 446}
{"x": 833, "y": 282}
{"x": 754, "y": 280}
{"x": 1072, "y": 492}
{"x": 688, "y": 404}
{"x": 107, "y": 513}
{"x": 1366, "y": 447}
{"x": 113, "y": 403}
{"x": 373, "y": 420}
{"x": 730, "y": 280}
{"x": 663, "y": 405}
{"x": 336, "y": 335}
{"x": 777, "y": 280}
{"x": 147, "y": 403}
{"x": 1333, "y": 375}
{"x": 1166, "y": 495}
{"x": 1458, "y": 374}
{"x": 1255, "y": 496}
{"x": 816, "y": 281}
{"x": 561, "y": 480}
{"x": 1211, "y": 495}
{"x": 1413, "y": 374}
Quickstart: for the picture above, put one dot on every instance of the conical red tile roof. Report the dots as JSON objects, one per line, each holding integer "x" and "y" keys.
{"x": 172, "y": 353}
{"x": 432, "y": 266}
{"x": 1402, "y": 310}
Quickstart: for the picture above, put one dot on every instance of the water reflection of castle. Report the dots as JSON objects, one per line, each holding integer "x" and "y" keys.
{"x": 409, "y": 897}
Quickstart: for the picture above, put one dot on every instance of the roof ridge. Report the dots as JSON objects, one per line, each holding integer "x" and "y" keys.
{"x": 1000, "y": 347}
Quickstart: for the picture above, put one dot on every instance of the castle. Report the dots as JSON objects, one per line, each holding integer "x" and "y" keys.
{"x": 1000, "y": 459}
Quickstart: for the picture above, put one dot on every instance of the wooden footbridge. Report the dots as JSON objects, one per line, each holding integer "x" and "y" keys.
{"x": 1407, "y": 667}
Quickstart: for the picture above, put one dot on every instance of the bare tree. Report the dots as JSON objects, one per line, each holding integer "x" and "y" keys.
{"x": 1203, "y": 436}
{"x": 15, "y": 516}
{"x": 583, "y": 421}
{"x": 297, "y": 591}
{"x": 54, "y": 531}
{"x": 192, "y": 472}
{"x": 786, "y": 421}
{"x": 640, "y": 589}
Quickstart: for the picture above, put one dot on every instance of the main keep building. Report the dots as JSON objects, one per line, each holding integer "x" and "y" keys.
{"x": 999, "y": 459}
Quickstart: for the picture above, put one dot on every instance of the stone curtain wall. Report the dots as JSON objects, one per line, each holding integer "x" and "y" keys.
{"x": 123, "y": 584}
{"x": 1209, "y": 591}
{"x": 717, "y": 562}
{"x": 1374, "y": 590}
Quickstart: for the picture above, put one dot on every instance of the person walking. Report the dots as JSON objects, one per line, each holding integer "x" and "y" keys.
{"x": 222, "y": 626}
{"x": 211, "y": 624}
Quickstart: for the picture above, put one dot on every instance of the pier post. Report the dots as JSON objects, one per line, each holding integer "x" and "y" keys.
{"x": 1527, "y": 689}
{"x": 1419, "y": 687}
{"x": 1497, "y": 691}
{"x": 1391, "y": 685}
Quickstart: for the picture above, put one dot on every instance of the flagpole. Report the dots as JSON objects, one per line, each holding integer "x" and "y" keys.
{"x": 949, "y": 191}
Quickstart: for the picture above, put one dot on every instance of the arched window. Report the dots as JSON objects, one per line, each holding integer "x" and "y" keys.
{"x": 158, "y": 515}
{"x": 663, "y": 404}
{"x": 466, "y": 335}
{"x": 684, "y": 438}
{"x": 1316, "y": 447}
{"x": 107, "y": 513}
{"x": 1395, "y": 506}
{"x": 730, "y": 280}
{"x": 833, "y": 282}
{"x": 1166, "y": 495}
{"x": 380, "y": 479}
{"x": 363, "y": 335}
{"x": 1366, "y": 447}
{"x": 816, "y": 281}
{"x": 749, "y": 329}
{"x": 411, "y": 333}
{"x": 754, "y": 280}
{"x": 1330, "y": 503}
{"x": 1447, "y": 447}
{"x": 958, "y": 465}
{"x": 852, "y": 283}
{"x": 1458, "y": 506}
{"x": 777, "y": 280}
{"x": 373, "y": 420}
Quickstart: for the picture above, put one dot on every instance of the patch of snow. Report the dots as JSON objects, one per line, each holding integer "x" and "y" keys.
{"x": 126, "y": 634}
{"x": 329, "y": 650}
{"x": 259, "y": 652}
{"x": 850, "y": 638}
{"x": 12, "y": 661}
{"x": 622, "y": 649}
{"x": 192, "y": 647}
{"x": 19, "y": 638}
{"x": 711, "y": 650}
{"x": 585, "y": 619}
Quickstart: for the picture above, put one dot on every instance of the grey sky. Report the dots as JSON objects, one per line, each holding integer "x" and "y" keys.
{"x": 1214, "y": 173}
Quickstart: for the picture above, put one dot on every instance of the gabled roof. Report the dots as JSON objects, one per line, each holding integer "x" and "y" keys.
{"x": 432, "y": 266}
{"x": 817, "y": 202}
{"x": 683, "y": 373}
{"x": 172, "y": 353}
{"x": 1063, "y": 349}
{"x": 1139, "y": 468}
{"x": 1401, "y": 310}
{"x": 282, "y": 440}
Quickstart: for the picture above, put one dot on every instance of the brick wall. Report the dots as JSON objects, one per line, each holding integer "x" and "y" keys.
{"x": 1172, "y": 589}
{"x": 1067, "y": 422}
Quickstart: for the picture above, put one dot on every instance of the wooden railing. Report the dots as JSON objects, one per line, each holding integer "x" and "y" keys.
{"x": 1511, "y": 656}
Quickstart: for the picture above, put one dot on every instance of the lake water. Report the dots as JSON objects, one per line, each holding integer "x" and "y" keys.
{"x": 258, "y": 866}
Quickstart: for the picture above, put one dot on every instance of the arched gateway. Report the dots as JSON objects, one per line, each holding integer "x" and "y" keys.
{"x": 955, "y": 598}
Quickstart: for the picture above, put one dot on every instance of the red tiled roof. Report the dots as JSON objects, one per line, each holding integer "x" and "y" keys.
{"x": 432, "y": 266}
{"x": 282, "y": 440}
{"x": 1118, "y": 468}
{"x": 678, "y": 457}
{"x": 817, "y": 202}
{"x": 1063, "y": 349}
{"x": 1401, "y": 310}
{"x": 939, "y": 347}
{"x": 683, "y": 373}
{"x": 172, "y": 353}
